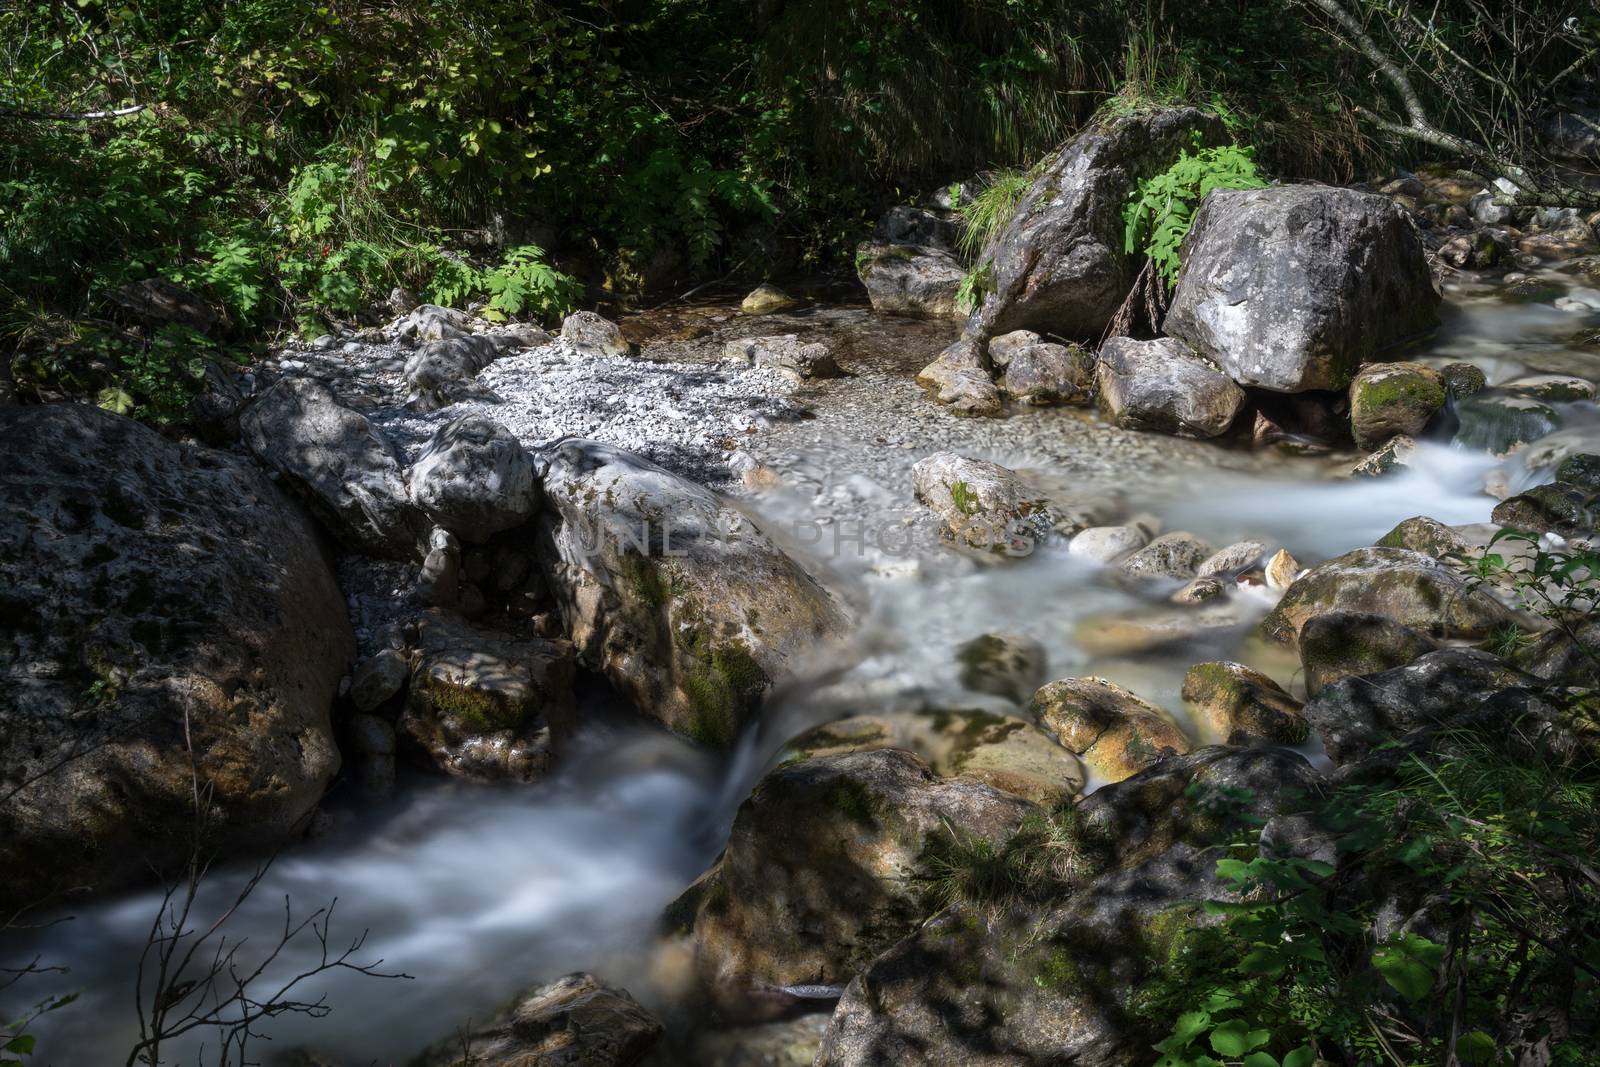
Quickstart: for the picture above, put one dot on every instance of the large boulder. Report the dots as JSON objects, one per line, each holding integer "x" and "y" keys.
{"x": 338, "y": 463}
{"x": 916, "y": 280}
{"x": 149, "y": 593}
{"x": 681, "y": 601}
{"x": 1036, "y": 371}
{"x": 1348, "y": 644}
{"x": 1408, "y": 587}
{"x": 574, "y": 1021}
{"x": 787, "y": 354}
{"x": 1240, "y": 705}
{"x": 1061, "y": 264}
{"x": 1056, "y": 979}
{"x": 1292, "y": 288}
{"x": 821, "y": 868}
{"x": 475, "y": 479}
{"x": 594, "y": 335}
{"x": 1166, "y": 386}
{"x": 485, "y": 706}
{"x": 1392, "y": 399}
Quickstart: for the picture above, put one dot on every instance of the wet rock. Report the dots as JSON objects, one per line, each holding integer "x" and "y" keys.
{"x": 1061, "y": 263}
{"x": 146, "y": 586}
{"x": 1058, "y": 981}
{"x": 157, "y": 302}
{"x": 1114, "y": 732}
{"x": 820, "y": 872}
{"x": 1165, "y": 386}
{"x": 1428, "y": 536}
{"x": 1409, "y": 587}
{"x": 1582, "y": 470}
{"x": 981, "y": 504}
{"x": 767, "y": 299}
{"x": 1144, "y": 629}
{"x": 1347, "y": 644}
{"x": 916, "y": 280}
{"x": 378, "y": 678}
{"x": 1237, "y": 557}
{"x": 1239, "y": 705}
{"x": 1392, "y": 457}
{"x": 338, "y": 463}
{"x": 786, "y": 354}
{"x": 1362, "y": 282}
{"x": 1478, "y": 250}
{"x": 1498, "y": 423}
{"x": 1282, "y": 570}
{"x": 1198, "y": 591}
{"x": 1173, "y": 555}
{"x": 1035, "y": 371}
{"x": 1354, "y": 715}
{"x": 695, "y": 624}
{"x": 1555, "y": 507}
{"x": 593, "y": 335}
{"x": 1008, "y": 665}
{"x": 574, "y": 1021}
{"x": 1009, "y": 753}
{"x": 960, "y": 379}
{"x": 1552, "y": 388}
{"x": 1106, "y": 544}
{"x": 475, "y": 479}
{"x": 1391, "y": 399}
{"x": 484, "y": 706}
{"x": 1463, "y": 379}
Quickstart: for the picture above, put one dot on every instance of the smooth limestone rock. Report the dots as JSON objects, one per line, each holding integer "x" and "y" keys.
{"x": 1412, "y": 589}
{"x": 1057, "y": 982}
{"x": 1355, "y": 715}
{"x": 767, "y": 299}
{"x": 1348, "y": 644}
{"x": 786, "y": 354}
{"x": 1361, "y": 282}
{"x": 593, "y": 335}
{"x": 338, "y": 464}
{"x": 1428, "y": 536}
{"x": 1239, "y": 705}
{"x": 1143, "y": 629}
{"x": 915, "y": 280}
{"x": 1107, "y": 544}
{"x": 1039, "y": 372}
{"x": 1165, "y": 386}
{"x": 1004, "y": 751}
{"x": 1392, "y": 399}
{"x": 1009, "y": 665}
{"x": 439, "y": 372}
{"x": 149, "y": 589}
{"x": 1172, "y": 555}
{"x": 980, "y": 503}
{"x": 959, "y": 378}
{"x": 575, "y": 1021}
{"x": 1237, "y": 557}
{"x": 1061, "y": 264}
{"x": 1114, "y": 732}
{"x": 475, "y": 479}
{"x": 820, "y": 872}
{"x": 684, "y": 604}
{"x": 484, "y": 706}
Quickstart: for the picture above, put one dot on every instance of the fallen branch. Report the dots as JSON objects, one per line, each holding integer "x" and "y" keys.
{"x": 71, "y": 116}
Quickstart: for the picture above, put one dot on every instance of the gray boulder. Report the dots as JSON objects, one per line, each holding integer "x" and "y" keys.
{"x": 475, "y": 479}
{"x": 786, "y": 354}
{"x": 594, "y": 335}
{"x": 1060, "y": 265}
{"x": 960, "y": 379}
{"x": 439, "y": 371}
{"x": 1349, "y": 644}
{"x": 575, "y": 1021}
{"x": 914, "y": 280}
{"x": 338, "y": 463}
{"x": 484, "y": 706}
{"x": 980, "y": 503}
{"x": 906, "y": 224}
{"x": 1036, "y": 371}
{"x": 1352, "y": 262}
{"x": 681, "y": 601}
{"x": 1164, "y": 385}
{"x": 1172, "y": 555}
{"x": 151, "y": 591}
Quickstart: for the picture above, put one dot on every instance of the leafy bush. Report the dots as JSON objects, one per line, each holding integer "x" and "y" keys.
{"x": 526, "y": 283}
{"x": 1160, "y": 210}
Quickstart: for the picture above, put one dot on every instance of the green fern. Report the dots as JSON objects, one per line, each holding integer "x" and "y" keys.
{"x": 526, "y": 282}
{"x": 1160, "y": 211}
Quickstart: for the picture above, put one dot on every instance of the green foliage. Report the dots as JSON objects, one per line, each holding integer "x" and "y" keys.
{"x": 1161, "y": 209}
{"x": 1044, "y": 858}
{"x": 987, "y": 213}
{"x": 525, "y": 282}
{"x": 1561, "y": 585}
{"x": 15, "y": 1041}
{"x": 1480, "y": 848}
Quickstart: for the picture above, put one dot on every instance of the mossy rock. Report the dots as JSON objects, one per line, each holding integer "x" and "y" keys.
{"x": 1390, "y": 399}
{"x": 1581, "y": 470}
{"x": 1240, "y": 705}
{"x": 1114, "y": 732}
{"x": 1345, "y": 644}
{"x": 1428, "y": 536}
{"x": 1498, "y": 423}
{"x": 1007, "y": 665}
{"x": 1556, "y": 507}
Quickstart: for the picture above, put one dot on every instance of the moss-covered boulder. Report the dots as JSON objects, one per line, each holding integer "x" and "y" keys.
{"x": 1562, "y": 508}
{"x": 982, "y": 504}
{"x": 1390, "y": 399}
{"x": 1581, "y": 469}
{"x": 1552, "y": 388}
{"x": 483, "y": 705}
{"x": 767, "y": 299}
{"x": 1239, "y": 705}
{"x": 685, "y": 605}
{"x": 1006, "y": 752}
{"x": 1412, "y": 589}
{"x": 1348, "y": 644}
{"x": 155, "y": 600}
{"x": 1428, "y": 536}
{"x": 1114, "y": 732}
{"x": 1009, "y": 665}
{"x": 822, "y": 867}
{"x": 1498, "y": 422}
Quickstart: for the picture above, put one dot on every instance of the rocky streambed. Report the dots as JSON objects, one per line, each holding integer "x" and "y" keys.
{"x": 669, "y": 648}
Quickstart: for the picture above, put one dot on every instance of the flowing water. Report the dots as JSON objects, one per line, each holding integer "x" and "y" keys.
{"x": 478, "y": 892}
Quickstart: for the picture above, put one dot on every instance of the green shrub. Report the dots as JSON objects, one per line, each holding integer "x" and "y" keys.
{"x": 1161, "y": 209}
